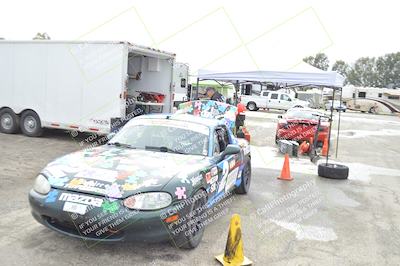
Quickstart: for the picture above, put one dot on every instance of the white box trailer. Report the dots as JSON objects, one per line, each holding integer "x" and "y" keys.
{"x": 79, "y": 85}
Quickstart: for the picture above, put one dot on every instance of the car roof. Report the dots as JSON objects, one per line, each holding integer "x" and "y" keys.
{"x": 209, "y": 122}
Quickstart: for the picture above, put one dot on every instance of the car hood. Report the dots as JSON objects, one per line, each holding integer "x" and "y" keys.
{"x": 119, "y": 172}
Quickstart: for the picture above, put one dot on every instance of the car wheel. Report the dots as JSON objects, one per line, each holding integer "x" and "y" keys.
{"x": 8, "y": 121}
{"x": 195, "y": 222}
{"x": 30, "y": 124}
{"x": 332, "y": 170}
{"x": 246, "y": 178}
{"x": 251, "y": 106}
{"x": 276, "y": 139}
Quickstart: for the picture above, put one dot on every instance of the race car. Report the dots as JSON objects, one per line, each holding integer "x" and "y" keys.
{"x": 300, "y": 124}
{"x": 155, "y": 180}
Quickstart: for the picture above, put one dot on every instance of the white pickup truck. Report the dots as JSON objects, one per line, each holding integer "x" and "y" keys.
{"x": 271, "y": 100}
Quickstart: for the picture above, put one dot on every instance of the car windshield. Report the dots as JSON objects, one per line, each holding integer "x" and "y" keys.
{"x": 165, "y": 136}
{"x": 303, "y": 114}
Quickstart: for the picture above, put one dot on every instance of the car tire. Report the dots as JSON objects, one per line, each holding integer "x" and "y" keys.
{"x": 30, "y": 124}
{"x": 193, "y": 240}
{"x": 9, "y": 121}
{"x": 333, "y": 171}
{"x": 298, "y": 106}
{"x": 251, "y": 106}
{"x": 246, "y": 178}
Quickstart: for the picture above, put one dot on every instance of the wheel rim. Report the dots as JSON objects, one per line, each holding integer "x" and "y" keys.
{"x": 7, "y": 121}
{"x": 251, "y": 107}
{"x": 30, "y": 124}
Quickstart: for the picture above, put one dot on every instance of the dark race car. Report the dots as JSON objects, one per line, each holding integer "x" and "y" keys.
{"x": 300, "y": 124}
{"x": 155, "y": 180}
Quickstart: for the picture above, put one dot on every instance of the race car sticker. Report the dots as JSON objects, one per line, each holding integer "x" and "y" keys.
{"x": 98, "y": 174}
{"x": 109, "y": 206}
{"x": 208, "y": 177}
{"x": 231, "y": 180}
{"x": 129, "y": 187}
{"x": 196, "y": 179}
{"x": 232, "y": 164}
{"x": 214, "y": 171}
{"x": 75, "y": 208}
{"x": 56, "y": 181}
{"x": 225, "y": 171}
{"x": 82, "y": 199}
{"x": 180, "y": 192}
{"x": 113, "y": 191}
{"x": 52, "y": 196}
{"x": 213, "y": 187}
{"x": 87, "y": 185}
{"x": 213, "y": 179}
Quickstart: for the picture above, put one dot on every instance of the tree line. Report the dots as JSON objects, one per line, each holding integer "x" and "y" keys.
{"x": 382, "y": 71}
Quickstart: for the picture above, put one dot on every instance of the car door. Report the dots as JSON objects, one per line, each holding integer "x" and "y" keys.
{"x": 285, "y": 101}
{"x": 273, "y": 101}
{"x": 228, "y": 166}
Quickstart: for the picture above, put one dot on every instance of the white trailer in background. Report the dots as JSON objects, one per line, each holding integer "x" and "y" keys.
{"x": 181, "y": 83}
{"x": 78, "y": 85}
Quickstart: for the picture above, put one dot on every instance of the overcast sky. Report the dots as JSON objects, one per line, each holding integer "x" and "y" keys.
{"x": 217, "y": 34}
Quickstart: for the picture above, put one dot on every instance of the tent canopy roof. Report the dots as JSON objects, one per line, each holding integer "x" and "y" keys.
{"x": 304, "y": 74}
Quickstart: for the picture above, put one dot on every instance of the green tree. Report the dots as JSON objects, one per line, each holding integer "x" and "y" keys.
{"x": 342, "y": 68}
{"x": 320, "y": 60}
{"x": 364, "y": 73}
{"x": 388, "y": 70}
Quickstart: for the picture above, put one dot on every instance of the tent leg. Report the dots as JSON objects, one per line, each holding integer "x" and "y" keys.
{"x": 340, "y": 107}
{"x": 236, "y": 92}
{"x": 330, "y": 126}
{"x": 197, "y": 90}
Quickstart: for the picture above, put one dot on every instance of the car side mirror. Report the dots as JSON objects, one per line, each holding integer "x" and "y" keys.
{"x": 231, "y": 149}
{"x": 111, "y": 135}
{"x": 280, "y": 116}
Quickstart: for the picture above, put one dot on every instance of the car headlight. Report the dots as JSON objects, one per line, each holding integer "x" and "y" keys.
{"x": 148, "y": 201}
{"x": 42, "y": 185}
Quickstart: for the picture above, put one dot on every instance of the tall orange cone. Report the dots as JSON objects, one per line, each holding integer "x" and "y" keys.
{"x": 324, "y": 151}
{"x": 285, "y": 173}
{"x": 234, "y": 245}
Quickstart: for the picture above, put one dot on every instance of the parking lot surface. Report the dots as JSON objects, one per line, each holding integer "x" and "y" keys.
{"x": 307, "y": 221}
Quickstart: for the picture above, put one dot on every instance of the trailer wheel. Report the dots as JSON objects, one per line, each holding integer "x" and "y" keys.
{"x": 30, "y": 124}
{"x": 333, "y": 170}
{"x": 9, "y": 121}
{"x": 251, "y": 106}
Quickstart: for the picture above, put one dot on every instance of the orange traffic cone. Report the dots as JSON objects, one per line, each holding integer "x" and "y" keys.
{"x": 285, "y": 173}
{"x": 324, "y": 151}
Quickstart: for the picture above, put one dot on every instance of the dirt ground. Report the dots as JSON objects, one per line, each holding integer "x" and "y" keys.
{"x": 307, "y": 221}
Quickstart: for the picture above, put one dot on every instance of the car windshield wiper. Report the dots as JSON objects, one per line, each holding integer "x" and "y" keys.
{"x": 123, "y": 145}
{"x": 163, "y": 149}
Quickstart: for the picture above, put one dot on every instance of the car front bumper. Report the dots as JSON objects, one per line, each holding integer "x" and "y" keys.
{"x": 99, "y": 224}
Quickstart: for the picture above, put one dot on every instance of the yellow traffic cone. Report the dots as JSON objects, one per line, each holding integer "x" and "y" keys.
{"x": 234, "y": 246}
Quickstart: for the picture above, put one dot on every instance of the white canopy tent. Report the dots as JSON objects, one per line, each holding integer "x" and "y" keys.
{"x": 298, "y": 76}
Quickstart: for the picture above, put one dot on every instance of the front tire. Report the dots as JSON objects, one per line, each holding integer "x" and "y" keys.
{"x": 197, "y": 228}
{"x": 246, "y": 178}
{"x": 30, "y": 124}
{"x": 9, "y": 121}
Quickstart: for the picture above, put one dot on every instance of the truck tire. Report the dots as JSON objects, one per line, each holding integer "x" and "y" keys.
{"x": 332, "y": 170}
{"x": 9, "y": 121}
{"x": 30, "y": 124}
{"x": 251, "y": 106}
{"x": 246, "y": 178}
